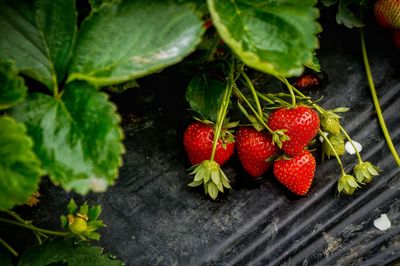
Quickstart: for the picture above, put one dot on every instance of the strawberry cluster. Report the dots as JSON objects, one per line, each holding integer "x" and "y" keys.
{"x": 257, "y": 150}
{"x": 277, "y": 139}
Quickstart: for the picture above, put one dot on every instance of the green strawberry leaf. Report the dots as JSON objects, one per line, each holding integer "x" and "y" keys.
{"x": 12, "y": 87}
{"x": 347, "y": 16}
{"x": 19, "y": 167}
{"x": 204, "y": 94}
{"x": 94, "y": 212}
{"x": 314, "y": 64}
{"x": 72, "y": 207}
{"x": 77, "y": 137}
{"x": 144, "y": 37}
{"x": 276, "y": 37}
{"x": 39, "y": 36}
{"x": 66, "y": 252}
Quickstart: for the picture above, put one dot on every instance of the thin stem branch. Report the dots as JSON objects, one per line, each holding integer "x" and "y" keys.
{"x": 290, "y": 88}
{"x": 253, "y": 91}
{"x": 259, "y": 118}
{"x": 376, "y": 101}
{"x": 265, "y": 98}
{"x": 333, "y": 149}
{"x": 360, "y": 161}
{"x": 18, "y": 218}
{"x": 223, "y": 109}
{"x": 34, "y": 228}
{"x": 8, "y": 247}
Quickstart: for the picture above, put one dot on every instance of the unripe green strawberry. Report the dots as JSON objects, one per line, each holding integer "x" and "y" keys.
{"x": 330, "y": 123}
{"x": 337, "y": 142}
{"x": 387, "y": 13}
{"x": 77, "y": 224}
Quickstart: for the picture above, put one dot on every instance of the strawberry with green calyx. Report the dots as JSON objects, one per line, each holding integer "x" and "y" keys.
{"x": 337, "y": 142}
{"x": 198, "y": 143}
{"x": 296, "y": 173}
{"x": 208, "y": 172}
{"x": 255, "y": 149}
{"x": 77, "y": 223}
{"x": 301, "y": 124}
{"x": 330, "y": 120}
{"x": 83, "y": 222}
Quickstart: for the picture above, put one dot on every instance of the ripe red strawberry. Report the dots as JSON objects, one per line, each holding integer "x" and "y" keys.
{"x": 387, "y": 13}
{"x": 254, "y": 149}
{"x": 297, "y": 173}
{"x": 198, "y": 142}
{"x": 307, "y": 81}
{"x": 301, "y": 123}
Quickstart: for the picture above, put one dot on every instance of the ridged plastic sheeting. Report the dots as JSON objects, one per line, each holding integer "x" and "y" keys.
{"x": 153, "y": 218}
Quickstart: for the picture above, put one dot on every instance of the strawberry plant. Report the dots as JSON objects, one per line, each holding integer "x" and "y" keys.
{"x": 57, "y": 64}
{"x": 56, "y": 121}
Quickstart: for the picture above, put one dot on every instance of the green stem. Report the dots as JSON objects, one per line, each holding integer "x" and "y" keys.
{"x": 18, "y": 218}
{"x": 265, "y": 98}
{"x": 15, "y": 215}
{"x": 8, "y": 247}
{"x": 290, "y": 88}
{"x": 259, "y": 118}
{"x": 376, "y": 101}
{"x": 223, "y": 109}
{"x": 360, "y": 161}
{"x": 34, "y": 228}
{"x": 333, "y": 149}
{"x": 253, "y": 91}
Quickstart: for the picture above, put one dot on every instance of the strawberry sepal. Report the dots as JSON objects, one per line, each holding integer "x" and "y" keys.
{"x": 347, "y": 184}
{"x": 210, "y": 174}
{"x": 365, "y": 171}
{"x": 279, "y": 136}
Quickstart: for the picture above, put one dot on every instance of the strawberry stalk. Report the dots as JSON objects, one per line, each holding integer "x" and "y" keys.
{"x": 360, "y": 161}
{"x": 333, "y": 149}
{"x": 253, "y": 91}
{"x": 19, "y": 219}
{"x": 290, "y": 88}
{"x": 272, "y": 99}
{"x": 9, "y": 248}
{"x": 34, "y": 228}
{"x": 222, "y": 111}
{"x": 346, "y": 183}
{"x": 209, "y": 172}
{"x": 376, "y": 101}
